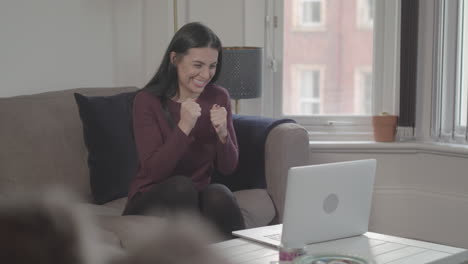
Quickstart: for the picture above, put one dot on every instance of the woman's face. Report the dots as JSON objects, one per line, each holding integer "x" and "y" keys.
{"x": 195, "y": 70}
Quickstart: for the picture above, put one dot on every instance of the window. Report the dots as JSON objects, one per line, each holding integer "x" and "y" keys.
{"x": 310, "y": 12}
{"x": 310, "y": 92}
{"x": 309, "y": 83}
{"x": 307, "y": 14}
{"x": 341, "y": 50}
{"x": 365, "y": 11}
{"x": 355, "y": 84}
{"x": 451, "y": 98}
{"x": 363, "y": 91}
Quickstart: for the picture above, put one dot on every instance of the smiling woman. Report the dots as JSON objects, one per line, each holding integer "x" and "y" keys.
{"x": 184, "y": 132}
{"x": 195, "y": 70}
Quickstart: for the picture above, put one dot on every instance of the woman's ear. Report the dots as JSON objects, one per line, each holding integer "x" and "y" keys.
{"x": 172, "y": 57}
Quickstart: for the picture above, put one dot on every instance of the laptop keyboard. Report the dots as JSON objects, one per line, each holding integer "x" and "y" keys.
{"x": 276, "y": 237}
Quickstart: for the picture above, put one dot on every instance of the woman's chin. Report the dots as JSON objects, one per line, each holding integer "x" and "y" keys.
{"x": 198, "y": 90}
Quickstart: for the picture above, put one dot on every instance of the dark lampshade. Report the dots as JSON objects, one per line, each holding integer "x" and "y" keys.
{"x": 241, "y": 72}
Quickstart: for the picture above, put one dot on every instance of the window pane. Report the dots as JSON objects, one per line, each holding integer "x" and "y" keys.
{"x": 339, "y": 49}
{"x": 308, "y": 77}
{"x": 370, "y": 9}
{"x": 310, "y": 10}
{"x": 365, "y": 9}
{"x": 307, "y": 108}
{"x": 367, "y": 93}
{"x": 316, "y": 108}
{"x": 463, "y": 96}
{"x": 309, "y": 82}
{"x": 305, "y": 13}
{"x": 316, "y": 86}
{"x": 315, "y": 12}
{"x": 306, "y": 84}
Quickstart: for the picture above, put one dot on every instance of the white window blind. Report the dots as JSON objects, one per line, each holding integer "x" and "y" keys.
{"x": 450, "y": 96}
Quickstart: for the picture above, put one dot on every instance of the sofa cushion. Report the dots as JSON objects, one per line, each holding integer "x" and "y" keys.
{"x": 43, "y": 142}
{"x": 96, "y": 209}
{"x": 132, "y": 230}
{"x": 118, "y": 204}
{"x": 108, "y": 136}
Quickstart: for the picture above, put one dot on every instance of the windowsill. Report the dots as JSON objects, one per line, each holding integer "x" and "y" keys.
{"x": 390, "y": 147}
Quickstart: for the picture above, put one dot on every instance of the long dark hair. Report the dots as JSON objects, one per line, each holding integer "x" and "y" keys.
{"x": 164, "y": 83}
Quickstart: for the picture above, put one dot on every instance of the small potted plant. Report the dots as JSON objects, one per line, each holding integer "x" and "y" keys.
{"x": 384, "y": 127}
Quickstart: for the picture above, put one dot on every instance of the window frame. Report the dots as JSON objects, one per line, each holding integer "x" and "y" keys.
{"x": 385, "y": 75}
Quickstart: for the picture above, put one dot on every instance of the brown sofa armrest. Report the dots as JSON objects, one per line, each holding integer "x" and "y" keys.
{"x": 287, "y": 145}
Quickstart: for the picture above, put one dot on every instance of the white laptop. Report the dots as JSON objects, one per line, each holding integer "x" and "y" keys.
{"x": 323, "y": 202}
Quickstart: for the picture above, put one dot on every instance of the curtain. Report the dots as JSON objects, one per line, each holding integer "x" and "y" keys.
{"x": 408, "y": 66}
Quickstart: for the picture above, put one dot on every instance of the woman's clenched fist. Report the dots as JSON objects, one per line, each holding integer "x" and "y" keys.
{"x": 190, "y": 111}
{"x": 218, "y": 116}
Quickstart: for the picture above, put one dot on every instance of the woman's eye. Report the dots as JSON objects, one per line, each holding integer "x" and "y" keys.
{"x": 213, "y": 67}
{"x": 197, "y": 66}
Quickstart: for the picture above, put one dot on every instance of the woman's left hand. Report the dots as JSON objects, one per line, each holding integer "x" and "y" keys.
{"x": 218, "y": 116}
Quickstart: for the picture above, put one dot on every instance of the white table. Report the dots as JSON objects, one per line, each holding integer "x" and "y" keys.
{"x": 374, "y": 247}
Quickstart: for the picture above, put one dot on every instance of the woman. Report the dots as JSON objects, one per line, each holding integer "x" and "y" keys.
{"x": 183, "y": 129}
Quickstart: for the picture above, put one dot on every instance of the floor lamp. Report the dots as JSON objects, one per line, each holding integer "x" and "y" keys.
{"x": 241, "y": 73}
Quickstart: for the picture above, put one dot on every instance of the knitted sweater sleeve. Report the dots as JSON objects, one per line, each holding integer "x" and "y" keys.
{"x": 227, "y": 154}
{"x": 157, "y": 157}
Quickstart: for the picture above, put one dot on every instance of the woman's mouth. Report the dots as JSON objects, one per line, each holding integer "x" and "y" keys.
{"x": 199, "y": 84}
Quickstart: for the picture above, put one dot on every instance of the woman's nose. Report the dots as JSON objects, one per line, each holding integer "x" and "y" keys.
{"x": 205, "y": 73}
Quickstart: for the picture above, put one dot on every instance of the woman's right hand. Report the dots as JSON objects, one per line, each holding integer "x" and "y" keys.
{"x": 190, "y": 111}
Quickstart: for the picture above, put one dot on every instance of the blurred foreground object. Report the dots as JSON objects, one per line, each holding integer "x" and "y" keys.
{"x": 49, "y": 227}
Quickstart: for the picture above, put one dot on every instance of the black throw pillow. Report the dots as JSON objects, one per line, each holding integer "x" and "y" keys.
{"x": 251, "y": 133}
{"x": 108, "y": 135}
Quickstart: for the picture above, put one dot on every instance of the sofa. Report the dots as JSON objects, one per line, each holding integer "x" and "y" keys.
{"x": 43, "y": 144}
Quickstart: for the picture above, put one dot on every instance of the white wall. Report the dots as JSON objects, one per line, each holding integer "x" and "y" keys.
{"x": 142, "y": 30}
{"x": 54, "y": 44}
{"x": 51, "y": 45}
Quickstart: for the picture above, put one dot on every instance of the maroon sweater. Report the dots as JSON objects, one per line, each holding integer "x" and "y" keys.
{"x": 164, "y": 151}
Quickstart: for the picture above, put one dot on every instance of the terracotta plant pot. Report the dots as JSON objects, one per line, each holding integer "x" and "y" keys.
{"x": 384, "y": 127}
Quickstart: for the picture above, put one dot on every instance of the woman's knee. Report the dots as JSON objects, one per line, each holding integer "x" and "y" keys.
{"x": 220, "y": 205}
{"x": 217, "y": 196}
{"x": 180, "y": 185}
{"x": 177, "y": 192}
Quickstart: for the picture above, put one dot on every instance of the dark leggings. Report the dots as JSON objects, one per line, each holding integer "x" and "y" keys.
{"x": 216, "y": 202}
